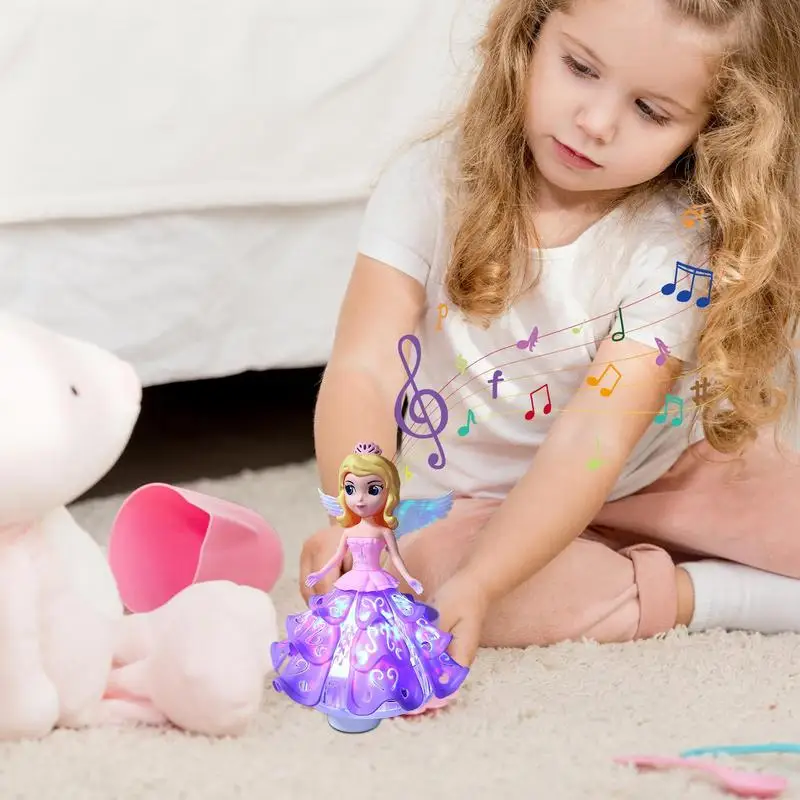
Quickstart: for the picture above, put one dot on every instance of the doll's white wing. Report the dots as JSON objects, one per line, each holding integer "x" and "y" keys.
{"x": 331, "y": 504}
{"x": 415, "y": 514}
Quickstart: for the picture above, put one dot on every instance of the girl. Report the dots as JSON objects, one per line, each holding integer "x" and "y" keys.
{"x": 364, "y": 652}
{"x": 600, "y": 252}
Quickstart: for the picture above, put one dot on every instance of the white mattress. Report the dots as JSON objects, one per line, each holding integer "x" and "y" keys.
{"x": 189, "y": 295}
{"x": 125, "y": 107}
{"x": 141, "y": 132}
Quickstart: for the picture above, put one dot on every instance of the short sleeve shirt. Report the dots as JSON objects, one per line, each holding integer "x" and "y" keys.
{"x": 496, "y": 383}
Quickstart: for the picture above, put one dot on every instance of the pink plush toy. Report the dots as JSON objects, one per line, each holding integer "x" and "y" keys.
{"x": 68, "y": 655}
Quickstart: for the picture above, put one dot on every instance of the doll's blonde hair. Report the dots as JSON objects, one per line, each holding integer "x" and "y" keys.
{"x": 741, "y": 174}
{"x": 361, "y": 465}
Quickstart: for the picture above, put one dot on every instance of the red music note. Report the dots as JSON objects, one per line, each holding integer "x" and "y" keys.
{"x": 548, "y": 406}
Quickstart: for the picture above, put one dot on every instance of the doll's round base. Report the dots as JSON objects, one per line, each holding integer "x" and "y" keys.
{"x": 353, "y": 725}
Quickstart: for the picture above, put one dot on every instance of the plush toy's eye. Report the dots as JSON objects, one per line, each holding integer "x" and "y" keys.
{"x": 73, "y": 390}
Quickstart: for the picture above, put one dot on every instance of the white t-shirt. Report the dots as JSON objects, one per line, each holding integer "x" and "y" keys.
{"x": 574, "y": 307}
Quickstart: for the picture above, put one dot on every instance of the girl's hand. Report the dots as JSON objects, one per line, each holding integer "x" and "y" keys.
{"x": 462, "y": 605}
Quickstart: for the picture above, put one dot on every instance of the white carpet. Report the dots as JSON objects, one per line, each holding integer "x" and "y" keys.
{"x": 541, "y": 723}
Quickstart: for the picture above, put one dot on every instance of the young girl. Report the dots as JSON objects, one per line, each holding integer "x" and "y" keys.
{"x": 604, "y": 246}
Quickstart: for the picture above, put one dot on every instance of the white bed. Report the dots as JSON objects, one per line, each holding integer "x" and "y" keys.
{"x": 183, "y": 183}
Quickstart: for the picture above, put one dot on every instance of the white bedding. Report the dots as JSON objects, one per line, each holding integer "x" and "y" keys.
{"x": 189, "y": 295}
{"x": 124, "y": 107}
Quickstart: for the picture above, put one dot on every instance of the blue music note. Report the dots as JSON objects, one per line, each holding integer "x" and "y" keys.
{"x": 685, "y": 294}
{"x": 416, "y": 404}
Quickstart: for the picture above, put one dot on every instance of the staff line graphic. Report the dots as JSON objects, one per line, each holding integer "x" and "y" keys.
{"x": 514, "y": 411}
{"x": 564, "y": 329}
{"x": 412, "y": 441}
{"x": 418, "y": 411}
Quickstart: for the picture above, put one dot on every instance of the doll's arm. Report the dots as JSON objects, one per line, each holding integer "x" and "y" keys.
{"x": 397, "y": 560}
{"x": 564, "y": 488}
{"x": 335, "y": 560}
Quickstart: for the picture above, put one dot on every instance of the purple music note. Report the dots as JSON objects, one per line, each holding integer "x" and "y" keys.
{"x": 685, "y": 294}
{"x": 529, "y": 343}
{"x": 416, "y": 404}
{"x": 663, "y": 352}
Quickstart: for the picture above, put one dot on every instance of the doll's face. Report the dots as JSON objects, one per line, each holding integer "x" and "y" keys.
{"x": 366, "y": 495}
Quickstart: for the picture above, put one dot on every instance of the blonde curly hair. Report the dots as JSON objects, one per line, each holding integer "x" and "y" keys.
{"x": 742, "y": 174}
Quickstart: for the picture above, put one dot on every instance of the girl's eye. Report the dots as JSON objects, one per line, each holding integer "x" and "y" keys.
{"x": 648, "y": 113}
{"x": 375, "y": 490}
{"x": 584, "y": 71}
{"x": 349, "y": 488}
{"x": 576, "y": 68}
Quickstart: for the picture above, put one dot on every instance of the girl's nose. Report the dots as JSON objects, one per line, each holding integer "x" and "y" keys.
{"x": 598, "y": 121}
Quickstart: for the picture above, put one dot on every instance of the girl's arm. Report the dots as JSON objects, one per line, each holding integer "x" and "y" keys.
{"x": 559, "y": 495}
{"x": 397, "y": 560}
{"x": 364, "y": 374}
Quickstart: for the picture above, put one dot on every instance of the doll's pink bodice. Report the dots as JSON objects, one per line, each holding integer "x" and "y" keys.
{"x": 366, "y": 574}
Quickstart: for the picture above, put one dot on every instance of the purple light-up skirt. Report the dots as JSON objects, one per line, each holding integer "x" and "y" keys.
{"x": 357, "y": 654}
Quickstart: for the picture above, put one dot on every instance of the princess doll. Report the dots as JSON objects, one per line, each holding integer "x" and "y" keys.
{"x": 365, "y": 651}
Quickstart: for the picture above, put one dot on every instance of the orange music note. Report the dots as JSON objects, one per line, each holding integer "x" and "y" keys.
{"x": 548, "y": 406}
{"x": 605, "y": 391}
{"x": 692, "y": 216}
{"x": 464, "y": 429}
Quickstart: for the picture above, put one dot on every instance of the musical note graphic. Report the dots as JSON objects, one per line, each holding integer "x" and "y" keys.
{"x": 548, "y": 406}
{"x": 530, "y": 342}
{"x": 619, "y": 335}
{"x": 464, "y": 429}
{"x": 692, "y": 216}
{"x": 443, "y": 312}
{"x": 416, "y": 404}
{"x": 685, "y": 294}
{"x": 700, "y": 389}
{"x": 595, "y": 462}
{"x": 407, "y": 474}
{"x": 461, "y": 364}
{"x": 576, "y": 330}
{"x": 663, "y": 352}
{"x": 496, "y": 378}
{"x": 661, "y": 417}
{"x": 605, "y": 391}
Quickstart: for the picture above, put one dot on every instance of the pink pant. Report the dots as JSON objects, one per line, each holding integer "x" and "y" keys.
{"x": 616, "y": 582}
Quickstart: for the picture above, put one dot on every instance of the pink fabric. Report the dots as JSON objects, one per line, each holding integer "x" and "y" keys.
{"x": 366, "y": 574}
{"x": 617, "y": 581}
{"x": 166, "y": 538}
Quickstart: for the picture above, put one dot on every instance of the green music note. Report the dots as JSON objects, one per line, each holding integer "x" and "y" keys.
{"x": 464, "y": 429}
{"x": 661, "y": 417}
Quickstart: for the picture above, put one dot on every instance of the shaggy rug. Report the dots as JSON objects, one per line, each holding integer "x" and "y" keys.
{"x": 539, "y": 723}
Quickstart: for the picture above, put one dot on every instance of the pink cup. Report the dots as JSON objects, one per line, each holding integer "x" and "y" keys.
{"x": 164, "y": 539}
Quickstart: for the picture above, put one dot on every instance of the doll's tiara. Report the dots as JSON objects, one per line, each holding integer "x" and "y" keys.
{"x": 367, "y": 449}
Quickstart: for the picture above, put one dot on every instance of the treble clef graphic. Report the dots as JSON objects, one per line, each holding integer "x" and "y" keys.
{"x": 416, "y": 404}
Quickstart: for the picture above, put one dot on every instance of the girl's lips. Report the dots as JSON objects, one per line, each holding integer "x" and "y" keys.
{"x": 573, "y": 157}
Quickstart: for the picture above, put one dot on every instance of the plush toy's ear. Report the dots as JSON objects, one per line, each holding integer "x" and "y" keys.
{"x": 67, "y": 409}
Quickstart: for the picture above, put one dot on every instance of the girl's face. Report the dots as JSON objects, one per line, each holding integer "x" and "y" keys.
{"x": 621, "y": 82}
{"x": 366, "y": 496}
